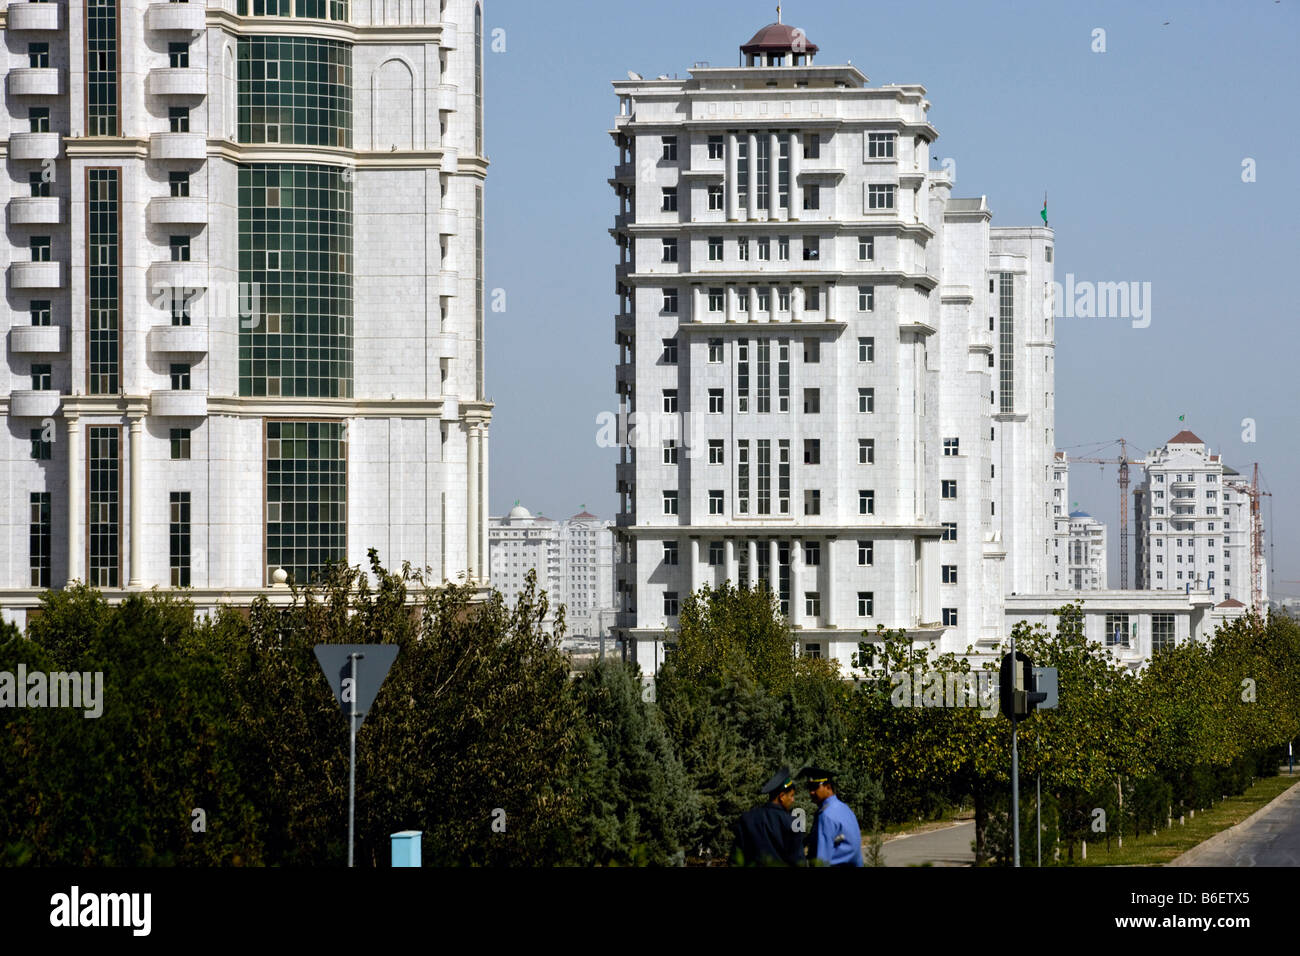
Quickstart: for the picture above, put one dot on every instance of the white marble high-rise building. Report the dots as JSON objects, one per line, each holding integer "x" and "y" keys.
{"x": 1061, "y": 520}
{"x": 1193, "y": 526}
{"x": 244, "y": 293}
{"x": 1086, "y": 570}
{"x": 834, "y": 376}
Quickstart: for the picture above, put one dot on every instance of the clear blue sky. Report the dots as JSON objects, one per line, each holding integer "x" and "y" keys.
{"x": 1140, "y": 149}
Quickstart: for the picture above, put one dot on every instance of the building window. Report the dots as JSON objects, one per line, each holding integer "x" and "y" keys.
{"x": 669, "y": 148}
{"x": 764, "y": 476}
{"x": 812, "y": 197}
{"x": 783, "y": 248}
{"x": 670, "y": 354}
{"x": 1117, "y": 630}
{"x": 951, "y": 447}
{"x": 306, "y": 497}
{"x": 715, "y": 451}
{"x": 103, "y": 505}
{"x": 40, "y": 538}
{"x": 764, "y": 249}
{"x": 180, "y": 375}
{"x": 950, "y": 617}
{"x": 42, "y": 447}
{"x": 717, "y": 502}
{"x": 783, "y": 477}
{"x": 178, "y": 119}
{"x": 1162, "y": 632}
{"x": 101, "y": 67}
{"x": 866, "y": 298}
{"x": 866, "y": 400}
{"x": 812, "y": 554}
{"x": 717, "y": 199}
{"x": 813, "y": 651}
{"x": 866, "y": 553}
{"x": 180, "y": 444}
{"x": 179, "y": 184}
{"x": 39, "y": 183}
{"x": 949, "y": 531}
{"x": 670, "y": 301}
{"x": 867, "y": 349}
{"x": 717, "y": 554}
{"x": 812, "y": 351}
{"x": 716, "y": 147}
{"x": 670, "y": 502}
{"x": 742, "y": 251}
{"x": 717, "y": 300}
{"x": 716, "y": 401}
{"x": 880, "y": 196}
{"x": 178, "y": 55}
{"x": 670, "y": 451}
{"x": 812, "y": 603}
{"x": 812, "y": 401}
{"x": 812, "y": 501}
{"x": 812, "y": 451}
{"x": 38, "y": 119}
{"x": 103, "y": 279}
{"x": 670, "y": 400}
{"x": 866, "y": 451}
{"x": 670, "y": 604}
{"x": 40, "y": 312}
{"x": 670, "y": 553}
{"x": 715, "y": 248}
{"x": 670, "y": 199}
{"x": 812, "y": 146}
{"x": 179, "y": 538}
{"x": 866, "y": 603}
{"x": 670, "y": 250}
{"x": 715, "y": 351}
{"x": 949, "y": 488}
{"x": 180, "y": 248}
{"x": 950, "y": 574}
{"x": 42, "y": 378}
{"x": 41, "y": 248}
{"x": 742, "y": 477}
{"x": 866, "y": 502}
{"x": 866, "y": 248}
{"x": 880, "y": 145}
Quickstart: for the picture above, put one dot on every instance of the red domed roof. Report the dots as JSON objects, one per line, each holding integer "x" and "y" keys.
{"x": 779, "y": 38}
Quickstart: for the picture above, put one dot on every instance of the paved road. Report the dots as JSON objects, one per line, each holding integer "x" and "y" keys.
{"x": 950, "y": 846}
{"x": 1268, "y": 837}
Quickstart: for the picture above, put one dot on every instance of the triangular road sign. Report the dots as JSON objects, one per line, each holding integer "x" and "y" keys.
{"x": 371, "y": 667}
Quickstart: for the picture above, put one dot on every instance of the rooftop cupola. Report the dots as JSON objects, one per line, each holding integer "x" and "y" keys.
{"x": 778, "y": 44}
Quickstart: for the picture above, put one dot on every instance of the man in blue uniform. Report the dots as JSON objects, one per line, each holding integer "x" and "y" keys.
{"x": 836, "y": 839}
{"x": 765, "y": 835}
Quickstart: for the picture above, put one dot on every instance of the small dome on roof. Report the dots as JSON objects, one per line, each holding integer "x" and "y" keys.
{"x": 1080, "y": 514}
{"x": 779, "y": 38}
{"x": 519, "y": 511}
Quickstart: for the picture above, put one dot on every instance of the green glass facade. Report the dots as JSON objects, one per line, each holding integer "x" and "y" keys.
{"x": 306, "y": 497}
{"x": 103, "y": 275}
{"x": 104, "y": 511}
{"x": 295, "y": 90}
{"x": 101, "y": 68}
{"x": 307, "y": 9}
{"x": 295, "y": 241}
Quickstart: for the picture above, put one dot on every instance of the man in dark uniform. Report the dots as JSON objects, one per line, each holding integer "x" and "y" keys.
{"x": 765, "y": 835}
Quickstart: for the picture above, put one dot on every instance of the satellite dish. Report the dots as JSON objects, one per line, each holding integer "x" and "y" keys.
{"x": 634, "y": 75}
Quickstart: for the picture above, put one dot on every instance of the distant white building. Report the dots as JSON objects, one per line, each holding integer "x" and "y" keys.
{"x": 1060, "y": 485}
{"x": 1193, "y": 526}
{"x": 1086, "y": 570}
{"x": 574, "y": 560}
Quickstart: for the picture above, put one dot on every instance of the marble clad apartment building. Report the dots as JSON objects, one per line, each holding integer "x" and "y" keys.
{"x": 244, "y": 300}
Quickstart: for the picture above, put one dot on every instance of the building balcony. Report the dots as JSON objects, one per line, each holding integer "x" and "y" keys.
{"x": 450, "y": 36}
{"x": 622, "y": 270}
{"x": 620, "y": 222}
{"x": 35, "y": 211}
{"x": 447, "y": 95}
{"x": 624, "y": 324}
{"x": 33, "y": 16}
{"x": 26, "y": 403}
{"x": 624, "y": 475}
{"x": 176, "y": 17}
{"x": 178, "y": 211}
{"x": 624, "y": 173}
{"x": 448, "y": 222}
{"x": 178, "y": 145}
{"x": 36, "y": 275}
{"x": 38, "y": 339}
{"x": 446, "y": 346}
{"x": 34, "y": 146}
{"x": 187, "y": 339}
{"x": 178, "y": 81}
{"x": 34, "y": 81}
{"x": 624, "y": 377}
{"x": 448, "y": 284}
{"x": 178, "y": 275}
{"x": 178, "y": 404}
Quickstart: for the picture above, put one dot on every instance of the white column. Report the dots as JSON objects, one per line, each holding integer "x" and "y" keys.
{"x": 753, "y": 303}
{"x": 796, "y": 303}
{"x": 731, "y": 303}
{"x": 773, "y": 302}
{"x": 752, "y": 204}
{"x": 730, "y": 569}
{"x": 484, "y": 563}
{"x": 135, "y": 579}
{"x": 752, "y": 546}
{"x": 693, "y": 564}
{"x": 828, "y": 293}
{"x": 733, "y": 190}
{"x": 76, "y": 501}
{"x": 773, "y": 177}
{"x": 796, "y": 155}
{"x": 697, "y": 303}
{"x": 796, "y": 595}
{"x": 471, "y": 503}
{"x": 773, "y": 567}
{"x": 828, "y": 604}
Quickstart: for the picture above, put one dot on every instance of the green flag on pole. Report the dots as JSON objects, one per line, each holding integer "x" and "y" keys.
{"x": 1044, "y": 213}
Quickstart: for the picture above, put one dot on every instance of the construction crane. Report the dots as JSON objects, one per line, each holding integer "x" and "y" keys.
{"x": 1123, "y": 461}
{"x": 1253, "y": 492}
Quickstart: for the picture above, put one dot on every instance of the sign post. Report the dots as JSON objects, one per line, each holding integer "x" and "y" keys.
{"x": 355, "y": 694}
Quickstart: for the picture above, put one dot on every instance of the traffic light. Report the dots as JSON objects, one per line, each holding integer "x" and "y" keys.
{"x": 1019, "y": 694}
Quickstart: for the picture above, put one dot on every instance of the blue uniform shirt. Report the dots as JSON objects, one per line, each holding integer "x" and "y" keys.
{"x": 838, "y": 838}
